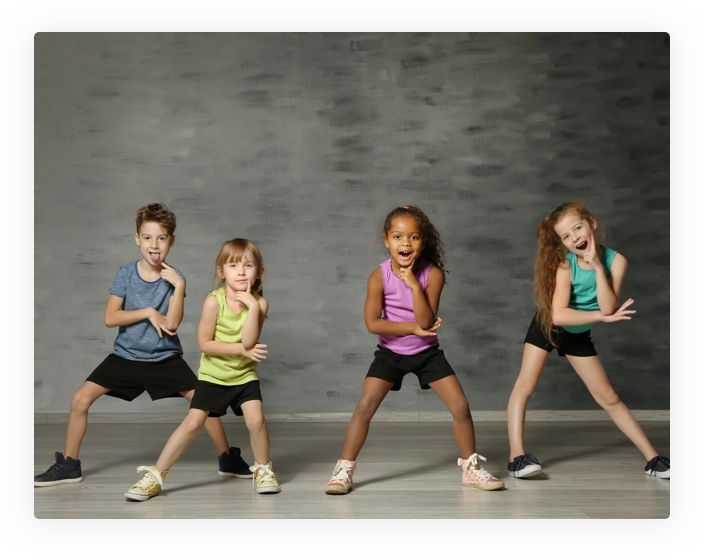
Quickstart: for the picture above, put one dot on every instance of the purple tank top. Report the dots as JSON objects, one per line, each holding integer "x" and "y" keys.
{"x": 398, "y": 307}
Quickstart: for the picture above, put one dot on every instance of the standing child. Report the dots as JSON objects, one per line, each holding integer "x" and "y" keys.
{"x": 577, "y": 284}
{"x": 146, "y": 302}
{"x": 230, "y": 325}
{"x": 403, "y": 295}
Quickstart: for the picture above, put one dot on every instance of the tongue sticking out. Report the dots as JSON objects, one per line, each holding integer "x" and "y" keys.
{"x": 154, "y": 256}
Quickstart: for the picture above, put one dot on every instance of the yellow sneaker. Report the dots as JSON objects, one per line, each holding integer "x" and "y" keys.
{"x": 151, "y": 480}
{"x": 264, "y": 478}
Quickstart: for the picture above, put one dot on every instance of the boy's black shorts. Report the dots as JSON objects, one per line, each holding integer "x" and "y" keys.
{"x": 575, "y": 344}
{"x": 215, "y": 398}
{"x": 429, "y": 366}
{"x": 127, "y": 379}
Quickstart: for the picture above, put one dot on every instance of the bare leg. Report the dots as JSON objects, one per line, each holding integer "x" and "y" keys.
{"x": 532, "y": 365}
{"x": 214, "y": 427}
{"x": 181, "y": 438}
{"x": 594, "y": 377}
{"x": 450, "y": 391}
{"x": 373, "y": 392}
{"x": 81, "y": 401}
{"x": 253, "y": 412}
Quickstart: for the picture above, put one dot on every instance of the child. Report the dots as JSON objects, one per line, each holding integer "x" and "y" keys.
{"x": 146, "y": 302}
{"x": 230, "y": 325}
{"x": 403, "y": 295}
{"x": 577, "y": 283}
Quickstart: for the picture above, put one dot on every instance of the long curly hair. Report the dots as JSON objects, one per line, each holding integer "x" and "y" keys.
{"x": 551, "y": 253}
{"x": 433, "y": 250}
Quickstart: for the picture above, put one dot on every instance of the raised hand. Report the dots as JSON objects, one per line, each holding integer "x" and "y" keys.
{"x": 430, "y": 331}
{"x": 246, "y": 297}
{"x": 406, "y": 274}
{"x": 172, "y": 276}
{"x": 621, "y": 314}
{"x": 258, "y": 352}
{"x": 591, "y": 257}
{"x": 158, "y": 320}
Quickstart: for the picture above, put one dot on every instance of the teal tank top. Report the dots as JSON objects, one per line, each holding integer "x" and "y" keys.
{"x": 583, "y": 296}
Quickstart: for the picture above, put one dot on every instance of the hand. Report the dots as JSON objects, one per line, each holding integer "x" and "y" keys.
{"x": 408, "y": 277}
{"x": 158, "y": 320}
{"x": 620, "y": 314}
{"x": 258, "y": 352}
{"x": 246, "y": 297}
{"x": 172, "y": 276}
{"x": 591, "y": 257}
{"x": 429, "y": 332}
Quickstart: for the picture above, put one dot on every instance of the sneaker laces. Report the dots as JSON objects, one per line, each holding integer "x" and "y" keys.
{"x": 341, "y": 472}
{"x": 474, "y": 462}
{"x": 263, "y": 474}
{"x": 148, "y": 477}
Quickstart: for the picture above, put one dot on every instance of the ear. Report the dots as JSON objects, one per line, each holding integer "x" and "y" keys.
{"x": 171, "y": 241}
{"x": 136, "y": 238}
{"x": 386, "y": 243}
{"x": 594, "y": 223}
{"x": 219, "y": 272}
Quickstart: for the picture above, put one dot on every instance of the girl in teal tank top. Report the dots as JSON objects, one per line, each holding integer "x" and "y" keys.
{"x": 577, "y": 284}
{"x": 228, "y": 336}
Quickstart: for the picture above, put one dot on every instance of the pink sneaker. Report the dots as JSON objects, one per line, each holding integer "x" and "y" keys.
{"x": 473, "y": 475}
{"x": 341, "y": 481}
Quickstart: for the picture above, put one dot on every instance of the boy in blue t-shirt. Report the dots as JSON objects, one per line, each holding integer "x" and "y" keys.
{"x": 146, "y": 302}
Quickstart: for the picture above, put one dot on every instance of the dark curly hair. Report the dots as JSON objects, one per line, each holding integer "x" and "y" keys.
{"x": 157, "y": 212}
{"x": 433, "y": 250}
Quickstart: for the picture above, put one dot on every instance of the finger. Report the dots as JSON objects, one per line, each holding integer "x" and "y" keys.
{"x": 165, "y": 265}
{"x": 167, "y": 330}
{"x": 158, "y": 330}
{"x": 249, "y": 286}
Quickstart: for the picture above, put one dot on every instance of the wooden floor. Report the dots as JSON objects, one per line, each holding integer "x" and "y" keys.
{"x": 406, "y": 470}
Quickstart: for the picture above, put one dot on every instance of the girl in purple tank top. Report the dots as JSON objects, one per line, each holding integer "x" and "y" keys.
{"x": 403, "y": 296}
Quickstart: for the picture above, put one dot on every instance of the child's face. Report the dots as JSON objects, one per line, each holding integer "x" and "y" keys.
{"x": 575, "y": 232}
{"x": 154, "y": 243}
{"x": 404, "y": 240}
{"x": 238, "y": 275}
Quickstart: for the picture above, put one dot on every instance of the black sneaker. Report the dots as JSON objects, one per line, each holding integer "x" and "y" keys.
{"x": 63, "y": 471}
{"x": 524, "y": 466}
{"x": 659, "y": 467}
{"x": 232, "y": 464}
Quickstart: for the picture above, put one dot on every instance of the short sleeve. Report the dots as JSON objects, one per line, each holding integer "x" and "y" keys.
{"x": 119, "y": 284}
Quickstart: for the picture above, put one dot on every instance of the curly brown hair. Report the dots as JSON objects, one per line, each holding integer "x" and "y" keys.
{"x": 433, "y": 250}
{"x": 157, "y": 212}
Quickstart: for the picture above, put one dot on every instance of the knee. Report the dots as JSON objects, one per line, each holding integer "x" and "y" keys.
{"x": 609, "y": 399}
{"x": 255, "y": 423}
{"x": 365, "y": 408}
{"x": 460, "y": 410}
{"x": 192, "y": 425}
{"x": 80, "y": 402}
{"x": 523, "y": 390}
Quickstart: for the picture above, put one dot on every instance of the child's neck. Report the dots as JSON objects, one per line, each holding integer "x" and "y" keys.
{"x": 147, "y": 271}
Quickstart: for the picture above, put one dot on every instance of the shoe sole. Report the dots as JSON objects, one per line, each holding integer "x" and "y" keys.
{"x": 233, "y": 475}
{"x": 138, "y": 497}
{"x": 58, "y": 482}
{"x": 337, "y": 490}
{"x": 527, "y": 472}
{"x": 268, "y": 489}
{"x": 665, "y": 475}
{"x": 486, "y": 487}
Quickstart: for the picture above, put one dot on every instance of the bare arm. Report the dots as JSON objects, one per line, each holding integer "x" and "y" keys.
{"x": 115, "y": 316}
{"x": 206, "y": 332}
{"x": 254, "y": 322}
{"x": 174, "y": 314}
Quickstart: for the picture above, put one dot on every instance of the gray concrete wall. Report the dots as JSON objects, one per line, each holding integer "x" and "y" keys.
{"x": 302, "y": 143}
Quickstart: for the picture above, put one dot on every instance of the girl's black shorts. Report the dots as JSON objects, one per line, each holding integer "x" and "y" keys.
{"x": 215, "y": 398}
{"x": 127, "y": 379}
{"x": 429, "y": 366}
{"x": 574, "y": 344}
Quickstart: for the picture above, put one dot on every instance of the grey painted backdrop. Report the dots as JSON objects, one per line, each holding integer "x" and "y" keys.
{"x": 302, "y": 143}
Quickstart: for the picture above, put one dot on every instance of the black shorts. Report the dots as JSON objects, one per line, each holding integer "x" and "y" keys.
{"x": 215, "y": 398}
{"x": 574, "y": 344}
{"x": 429, "y": 366}
{"x": 127, "y": 379}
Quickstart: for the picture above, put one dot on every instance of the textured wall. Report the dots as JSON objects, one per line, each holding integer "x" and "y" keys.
{"x": 302, "y": 143}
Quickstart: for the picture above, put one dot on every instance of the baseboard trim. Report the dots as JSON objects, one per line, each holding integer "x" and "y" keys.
{"x": 382, "y": 416}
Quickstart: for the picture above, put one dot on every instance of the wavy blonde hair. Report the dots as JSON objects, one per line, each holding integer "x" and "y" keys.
{"x": 551, "y": 253}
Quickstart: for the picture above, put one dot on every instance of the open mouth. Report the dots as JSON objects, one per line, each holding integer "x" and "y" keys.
{"x": 405, "y": 255}
{"x": 154, "y": 256}
{"x": 581, "y": 246}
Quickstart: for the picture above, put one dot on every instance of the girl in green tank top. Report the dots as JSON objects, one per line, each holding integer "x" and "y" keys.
{"x": 577, "y": 284}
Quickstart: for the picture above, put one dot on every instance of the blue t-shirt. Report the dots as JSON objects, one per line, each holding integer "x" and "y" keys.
{"x": 583, "y": 295}
{"x": 140, "y": 341}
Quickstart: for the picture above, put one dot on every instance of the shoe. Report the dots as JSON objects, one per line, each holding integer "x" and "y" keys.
{"x": 150, "y": 482}
{"x": 233, "y": 465}
{"x": 264, "y": 478}
{"x": 63, "y": 471}
{"x": 473, "y": 475}
{"x": 341, "y": 481}
{"x": 659, "y": 467}
{"x": 525, "y": 466}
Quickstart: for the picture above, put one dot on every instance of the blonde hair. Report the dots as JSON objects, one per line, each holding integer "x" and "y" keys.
{"x": 233, "y": 251}
{"x": 551, "y": 253}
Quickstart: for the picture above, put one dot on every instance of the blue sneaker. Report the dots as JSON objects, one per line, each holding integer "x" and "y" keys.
{"x": 659, "y": 467}
{"x": 63, "y": 471}
{"x": 233, "y": 465}
{"x": 525, "y": 466}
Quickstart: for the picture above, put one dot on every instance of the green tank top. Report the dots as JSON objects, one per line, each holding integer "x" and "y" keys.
{"x": 583, "y": 295}
{"x": 227, "y": 370}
